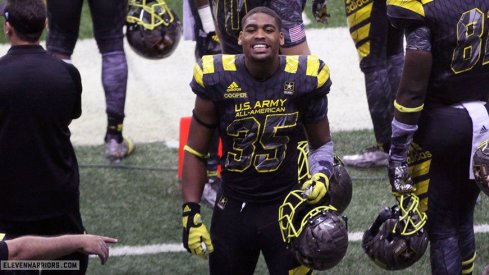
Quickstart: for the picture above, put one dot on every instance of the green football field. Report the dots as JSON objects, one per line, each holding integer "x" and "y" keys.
{"x": 139, "y": 203}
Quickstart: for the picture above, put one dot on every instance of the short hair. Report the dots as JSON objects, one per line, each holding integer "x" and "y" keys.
{"x": 262, "y": 9}
{"x": 27, "y": 17}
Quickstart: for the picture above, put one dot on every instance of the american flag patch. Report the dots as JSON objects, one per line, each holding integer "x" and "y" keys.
{"x": 297, "y": 33}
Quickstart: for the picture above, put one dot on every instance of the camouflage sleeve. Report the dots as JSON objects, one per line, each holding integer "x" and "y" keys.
{"x": 406, "y": 13}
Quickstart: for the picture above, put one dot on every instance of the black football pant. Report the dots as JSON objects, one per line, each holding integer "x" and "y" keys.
{"x": 382, "y": 69}
{"x": 240, "y": 231}
{"x": 108, "y": 18}
{"x": 446, "y": 132}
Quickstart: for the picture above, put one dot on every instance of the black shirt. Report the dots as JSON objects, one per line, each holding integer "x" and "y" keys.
{"x": 39, "y": 96}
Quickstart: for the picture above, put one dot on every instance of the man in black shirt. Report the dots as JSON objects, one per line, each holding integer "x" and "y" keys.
{"x": 39, "y": 97}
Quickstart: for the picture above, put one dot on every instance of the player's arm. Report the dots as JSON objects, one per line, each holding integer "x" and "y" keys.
{"x": 196, "y": 238}
{"x": 46, "y": 248}
{"x": 204, "y": 121}
{"x": 408, "y": 106}
{"x": 320, "y": 160}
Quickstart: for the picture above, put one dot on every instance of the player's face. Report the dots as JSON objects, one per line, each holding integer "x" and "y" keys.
{"x": 261, "y": 38}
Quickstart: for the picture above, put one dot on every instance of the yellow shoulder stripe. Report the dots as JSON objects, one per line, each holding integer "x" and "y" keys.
{"x": 291, "y": 63}
{"x": 412, "y": 5}
{"x": 323, "y": 76}
{"x": 229, "y": 62}
{"x": 198, "y": 75}
{"x": 208, "y": 64}
{"x": 312, "y": 66}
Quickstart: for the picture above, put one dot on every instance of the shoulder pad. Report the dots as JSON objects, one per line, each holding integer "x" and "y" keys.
{"x": 406, "y": 13}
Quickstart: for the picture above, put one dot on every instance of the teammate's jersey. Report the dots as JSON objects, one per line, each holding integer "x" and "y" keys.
{"x": 260, "y": 122}
{"x": 459, "y": 33}
{"x": 228, "y": 15}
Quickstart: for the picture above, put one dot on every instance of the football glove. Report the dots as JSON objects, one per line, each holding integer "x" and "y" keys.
{"x": 315, "y": 188}
{"x": 320, "y": 11}
{"x": 196, "y": 238}
{"x": 399, "y": 178}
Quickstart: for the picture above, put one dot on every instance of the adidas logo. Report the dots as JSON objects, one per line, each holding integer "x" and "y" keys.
{"x": 483, "y": 129}
{"x": 233, "y": 87}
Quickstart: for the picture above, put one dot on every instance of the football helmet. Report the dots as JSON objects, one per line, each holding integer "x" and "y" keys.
{"x": 317, "y": 236}
{"x": 480, "y": 166}
{"x": 340, "y": 185}
{"x": 153, "y": 29}
{"x": 397, "y": 238}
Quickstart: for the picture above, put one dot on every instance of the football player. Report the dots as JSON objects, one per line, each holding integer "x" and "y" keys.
{"x": 441, "y": 116}
{"x": 260, "y": 102}
{"x": 108, "y": 18}
{"x": 381, "y": 54}
{"x": 228, "y": 20}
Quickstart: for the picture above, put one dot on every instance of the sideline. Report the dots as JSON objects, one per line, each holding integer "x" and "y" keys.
{"x": 177, "y": 247}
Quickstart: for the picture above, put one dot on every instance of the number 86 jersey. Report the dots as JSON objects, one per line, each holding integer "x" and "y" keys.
{"x": 460, "y": 45}
{"x": 261, "y": 121}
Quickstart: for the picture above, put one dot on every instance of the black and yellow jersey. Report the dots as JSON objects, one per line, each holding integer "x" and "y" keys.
{"x": 260, "y": 122}
{"x": 460, "y": 46}
{"x": 374, "y": 38}
{"x": 358, "y": 15}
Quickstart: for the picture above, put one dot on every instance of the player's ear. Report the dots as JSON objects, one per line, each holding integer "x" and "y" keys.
{"x": 282, "y": 39}
{"x": 239, "y": 37}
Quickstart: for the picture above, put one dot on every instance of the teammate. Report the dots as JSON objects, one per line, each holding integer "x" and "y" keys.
{"x": 108, "y": 18}
{"x": 198, "y": 25}
{"x": 48, "y": 248}
{"x": 260, "y": 102}
{"x": 381, "y": 53}
{"x": 441, "y": 113}
{"x": 40, "y": 96}
{"x": 228, "y": 19}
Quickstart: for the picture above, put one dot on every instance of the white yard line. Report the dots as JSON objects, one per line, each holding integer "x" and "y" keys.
{"x": 178, "y": 247}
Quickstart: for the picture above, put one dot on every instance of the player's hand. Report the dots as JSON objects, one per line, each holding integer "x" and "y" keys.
{"x": 320, "y": 11}
{"x": 315, "y": 188}
{"x": 399, "y": 178}
{"x": 196, "y": 238}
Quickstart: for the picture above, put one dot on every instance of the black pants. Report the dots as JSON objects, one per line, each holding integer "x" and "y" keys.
{"x": 240, "y": 232}
{"x": 446, "y": 134}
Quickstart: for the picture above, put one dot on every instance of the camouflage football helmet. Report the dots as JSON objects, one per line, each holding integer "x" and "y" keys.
{"x": 153, "y": 29}
{"x": 397, "y": 238}
{"x": 480, "y": 166}
{"x": 340, "y": 185}
{"x": 317, "y": 236}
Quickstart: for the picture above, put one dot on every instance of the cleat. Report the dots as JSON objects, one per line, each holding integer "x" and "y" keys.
{"x": 371, "y": 157}
{"x": 115, "y": 151}
{"x": 211, "y": 188}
